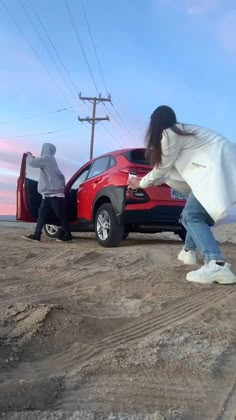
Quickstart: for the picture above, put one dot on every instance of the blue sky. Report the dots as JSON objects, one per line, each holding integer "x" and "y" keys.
{"x": 176, "y": 52}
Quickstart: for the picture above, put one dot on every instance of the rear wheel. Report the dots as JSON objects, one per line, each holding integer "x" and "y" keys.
{"x": 53, "y": 231}
{"x": 108, "y": 232}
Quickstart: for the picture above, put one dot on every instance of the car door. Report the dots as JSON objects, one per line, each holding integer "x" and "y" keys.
{"x": 96, "y": 179}
{"x": 72, "y": 192}
{"x": 28, "y": 199}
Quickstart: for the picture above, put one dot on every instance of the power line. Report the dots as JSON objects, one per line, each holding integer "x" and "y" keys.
{"x": 72, "y": 21}
{"x": 47, "y": 133}
{"x": 34, "y": 51}
{"x": 125, "y": 129}
{"x": 113, "y": 137}
{"x": 36, "y": 116}
{"x": 46, "y": 47}
{"x": 94, "y": 47}
{"x": 53, "y": 46}
{"x": 123, "y": 122}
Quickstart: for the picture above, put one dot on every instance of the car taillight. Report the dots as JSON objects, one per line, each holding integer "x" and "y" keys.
{"x": 136, "y": 196}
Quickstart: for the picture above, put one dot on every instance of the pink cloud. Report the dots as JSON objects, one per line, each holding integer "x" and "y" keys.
{"x": 7, "y": 196}
{"x": 7, "y": 208}
{"x": 8, "y": 182}
{"x": 8, "y": 202}
{"x": 17, "y": 147}
{"x": 11, "y": 152}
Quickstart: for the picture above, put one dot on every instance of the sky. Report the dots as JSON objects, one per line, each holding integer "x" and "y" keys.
{"x": 180, "y": 53}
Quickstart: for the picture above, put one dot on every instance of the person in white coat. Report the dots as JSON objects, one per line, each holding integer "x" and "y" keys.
{"x": 201, "y": 163}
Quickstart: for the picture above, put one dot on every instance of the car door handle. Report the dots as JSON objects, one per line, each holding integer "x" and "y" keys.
{"x": 97, "y": 180}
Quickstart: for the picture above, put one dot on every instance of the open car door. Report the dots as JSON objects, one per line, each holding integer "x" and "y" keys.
{"x": 28, "y": 199}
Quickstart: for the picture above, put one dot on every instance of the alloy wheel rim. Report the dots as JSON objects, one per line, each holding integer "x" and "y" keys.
{"x": 103, "y": 225}
{"x": 52, "y": 229}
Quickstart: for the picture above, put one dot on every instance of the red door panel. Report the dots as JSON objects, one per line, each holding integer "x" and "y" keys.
{"x": 87, "y": 194}
{"x": 24, "y": 211}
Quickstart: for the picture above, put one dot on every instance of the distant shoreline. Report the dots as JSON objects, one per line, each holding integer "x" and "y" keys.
{"x": 11, "y": 224}
{"x": 8, "y": 218}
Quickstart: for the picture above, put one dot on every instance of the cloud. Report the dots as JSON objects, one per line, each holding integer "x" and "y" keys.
{"x": 8, "y": 183}
{"x": 7, "y": 202}
{"x": 192, "y": 7}
{"x": 227, "y": 32}
{"x": 7, "y": 208}
{"x": 201, "y": 7}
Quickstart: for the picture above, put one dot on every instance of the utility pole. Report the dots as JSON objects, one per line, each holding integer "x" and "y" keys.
{"x": 93, "y": 120}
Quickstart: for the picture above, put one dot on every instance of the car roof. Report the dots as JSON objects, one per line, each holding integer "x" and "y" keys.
{"x": 117, "y": 152}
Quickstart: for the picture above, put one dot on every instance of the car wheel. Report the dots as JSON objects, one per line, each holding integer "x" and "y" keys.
{"x": 125, "y": 236}
{"x": 108, "y": 232}
{"x": 53, "y": 231}
{"x": 182, "y": 234}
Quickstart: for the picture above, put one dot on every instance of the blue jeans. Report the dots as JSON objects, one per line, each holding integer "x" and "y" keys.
{"x": 197, "y": 223}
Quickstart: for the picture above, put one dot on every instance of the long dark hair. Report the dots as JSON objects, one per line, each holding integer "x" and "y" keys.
{"x": 162, "y": 118}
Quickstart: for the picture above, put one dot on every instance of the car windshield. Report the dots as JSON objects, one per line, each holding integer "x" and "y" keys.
{"x": 136, "y": 156}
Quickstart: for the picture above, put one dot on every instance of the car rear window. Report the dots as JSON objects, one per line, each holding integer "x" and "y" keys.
{"x": 136, "y": 156}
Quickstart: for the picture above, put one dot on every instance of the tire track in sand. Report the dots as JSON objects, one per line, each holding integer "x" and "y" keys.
{"x": 71, "y": 290}
{"x": 175, "y": 314}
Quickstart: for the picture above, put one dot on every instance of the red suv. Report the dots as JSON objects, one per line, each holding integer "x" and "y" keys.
{"x": 98, "y": 199}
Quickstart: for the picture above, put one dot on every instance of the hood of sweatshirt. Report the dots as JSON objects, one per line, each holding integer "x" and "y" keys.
{"x": 48, "y": 149}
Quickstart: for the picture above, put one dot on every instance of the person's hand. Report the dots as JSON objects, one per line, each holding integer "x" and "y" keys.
{"x": 134, "y": 183}
{"x": 29, "y": 153}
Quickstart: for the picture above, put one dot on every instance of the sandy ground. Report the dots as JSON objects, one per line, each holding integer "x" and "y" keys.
{"x": 92, "y": 333}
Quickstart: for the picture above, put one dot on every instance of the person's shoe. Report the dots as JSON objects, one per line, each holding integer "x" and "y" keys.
{"x": 64, "y": 239}
{"x": 211, "y": 273}
{"x": 187, "y": 257}
{"x": 31, "y": 238}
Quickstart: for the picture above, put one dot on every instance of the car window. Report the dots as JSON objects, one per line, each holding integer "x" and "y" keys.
{"x": 136, "y": 156}
{"x": 99, "y": 166}
{"x": 81, "y": 178}
{"x": 112, "y": 162}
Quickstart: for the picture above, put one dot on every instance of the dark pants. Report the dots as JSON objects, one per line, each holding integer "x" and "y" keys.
{"x": 58, "y": 205}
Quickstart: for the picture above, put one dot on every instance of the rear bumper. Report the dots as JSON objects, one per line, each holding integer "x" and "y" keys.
{"x": 158, "y": 216}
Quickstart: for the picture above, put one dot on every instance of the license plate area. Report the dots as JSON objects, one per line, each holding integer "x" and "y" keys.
{"x": 176, "y": 195}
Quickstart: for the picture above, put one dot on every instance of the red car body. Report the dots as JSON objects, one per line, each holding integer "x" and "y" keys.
{"x": 98, "y": 198}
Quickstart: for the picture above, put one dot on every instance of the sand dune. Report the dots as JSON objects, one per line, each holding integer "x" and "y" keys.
{"x": 93, "y": 333}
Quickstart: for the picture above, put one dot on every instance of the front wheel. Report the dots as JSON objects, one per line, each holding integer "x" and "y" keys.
{"x": 125, "y": 236}
{"x": 108, "y": 232}
{"x": 53, "y": 231}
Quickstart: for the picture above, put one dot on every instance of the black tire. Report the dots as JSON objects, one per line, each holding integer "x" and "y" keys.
{"x": 125, "y": 236}
{"x": 182, "y": 234}
{"x": 112, "y": 235}
{"x": 53, "y": 231}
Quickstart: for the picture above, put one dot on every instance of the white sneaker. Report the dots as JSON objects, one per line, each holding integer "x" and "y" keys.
{"x": 187, "y": 257}
{"x": 212, "y": 273}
